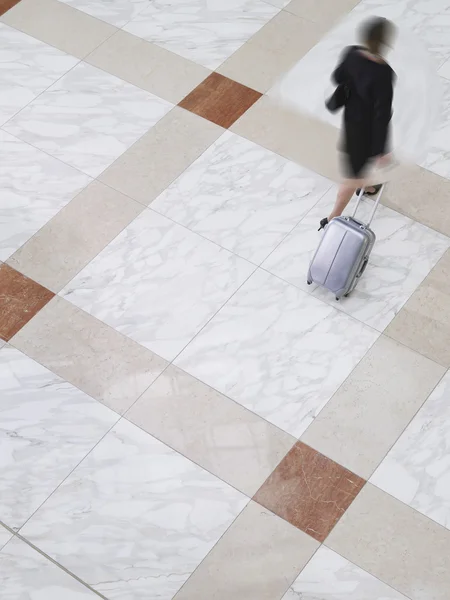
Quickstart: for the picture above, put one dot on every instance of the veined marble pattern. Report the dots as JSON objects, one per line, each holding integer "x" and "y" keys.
{"x": 5, "y": 536}
{"x": 135, "y": 518}
{"x": 417, "y": 469}
{"x": 34, "y": 187}
{"x": 277, "y": 351}
{"x": 47, "y": 427}
{"x": 88, "y": 118}
{"x": 116, "y": 12}
{"x": 24, "y": 573}
{"x": 438, "y": 156}
{"x": 242, "y": 196}
{"x": 329, "y": 576}
{"x": 158, "y": 283}
{"x": 202, "y": 31}
{"x": 404, "y": 254}
{"x": 27, "y": 68}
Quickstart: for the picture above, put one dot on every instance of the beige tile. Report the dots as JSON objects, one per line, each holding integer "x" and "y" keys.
{"x": 210, "y": 429}
{"x": 421, "y": 195}
{"x": 161, "y": 155}
{"x": 59, "y": 25}
{"x": 56, "y": 253}
{"x": 257, "y": 559}
{"x": 272, "y": 51}
{"x": 296, "y": 136}
{"x": 321, "y": 11}
{"x": 89, "y": 354}
{"x": 371, "y": 409}
{"x": 424, "y": 321}
{"x": 148, "y": 66}
{"x": 395, "y": 543}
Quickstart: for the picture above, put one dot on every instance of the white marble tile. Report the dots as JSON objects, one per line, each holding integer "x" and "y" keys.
{"x": 48, "y": 426}
{"x": 277, "y": 351}
{"x": 278, "y": 3}
{"x": 116, "y": 12}
{"x": 135, "y": 518}
{"x": 27, "y": 68}
{"x": 404, "y": 254}
{"x": 158, "y": 283}
{"x": 417, "y": 469}
{"x": 438, "y": 155}
{"x": 88, "y": 118}
{"x": 34, "y": 187}
{"x": 27, "y": 574}
{"x": 329, "y": 576}
{"x": 202, "y": 31}
{"x": 5, "y": 536}
{"x": 242, "y": 196}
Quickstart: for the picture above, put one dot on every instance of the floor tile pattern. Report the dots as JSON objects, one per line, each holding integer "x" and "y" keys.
{"x": 220, "y": 100}
{"x": 181, "y": 415}
{"x": 310, "y": 491}
{"x": 21, "y": 299}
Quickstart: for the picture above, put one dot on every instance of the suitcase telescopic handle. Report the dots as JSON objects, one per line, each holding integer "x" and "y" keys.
{"x": 376, "y": 203}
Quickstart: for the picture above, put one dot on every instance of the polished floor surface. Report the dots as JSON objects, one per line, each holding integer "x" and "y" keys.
{"x": 181, "y": 416}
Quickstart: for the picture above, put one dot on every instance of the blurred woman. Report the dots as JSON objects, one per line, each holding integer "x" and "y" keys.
{"x": 365, "y": 85}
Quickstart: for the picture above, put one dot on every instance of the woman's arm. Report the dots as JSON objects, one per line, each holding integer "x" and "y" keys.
{"x": 340, "y": 75}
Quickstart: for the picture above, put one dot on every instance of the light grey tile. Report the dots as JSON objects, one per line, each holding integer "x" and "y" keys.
{"x": 258, "y": 557}
{"x": 25, "y": 573}
{"x": 34, "y": 187}
{"x": 217, "y": 28}
{"x": 70, "y": 240}
{"x": 59, "y": 25}
{"x": 272, "y": 51}
{"x": 416, "y": 470}
{"x": 148, "y": 66}
{"x": 140, "y": 516}
{"x": 161, "y": 155}
{"x": 90, "y": 355}
{"x": 242, "y": 196}
{"x": 28, "y": 68}
{"x": 210, "y": 429}
{"x": 277, "y": 351}
{"x": 175, "y": 283}
{"x": 116, "y": 12}
{"x": 321, "y": 11}
{"x": 329, "y": 576}
{"x": 371, "y": 409}
{"x": 88, "y": 118}
{"x": 48, "y": 427}
{"x": 395, "y": 543}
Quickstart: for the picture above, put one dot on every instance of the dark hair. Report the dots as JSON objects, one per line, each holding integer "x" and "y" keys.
{"x": 376, "y": 33}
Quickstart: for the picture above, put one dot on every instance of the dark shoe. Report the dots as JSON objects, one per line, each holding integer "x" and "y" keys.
{"x": 323, "y": 224}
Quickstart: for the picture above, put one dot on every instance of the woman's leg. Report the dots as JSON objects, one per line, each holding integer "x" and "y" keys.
{"x": 345, "y": 193}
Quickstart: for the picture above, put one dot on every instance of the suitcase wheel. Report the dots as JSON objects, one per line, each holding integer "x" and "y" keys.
{"x": 337, "y": 299}
{"x": 308, "y": 281}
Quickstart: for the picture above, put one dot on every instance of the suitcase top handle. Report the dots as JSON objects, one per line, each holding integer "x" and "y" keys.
{"x": 376, "y": 203}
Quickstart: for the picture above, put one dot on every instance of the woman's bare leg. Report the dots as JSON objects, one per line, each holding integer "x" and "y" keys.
{"x": 344, "y": 196}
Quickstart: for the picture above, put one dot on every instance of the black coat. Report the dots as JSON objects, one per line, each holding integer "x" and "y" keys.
{"x": 368, "y": 110}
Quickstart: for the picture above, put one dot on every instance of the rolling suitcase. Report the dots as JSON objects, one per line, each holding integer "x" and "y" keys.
{"x": 343, "y": 252}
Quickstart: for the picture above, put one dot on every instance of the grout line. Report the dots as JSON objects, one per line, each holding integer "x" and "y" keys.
{"x": 49, "y": 558}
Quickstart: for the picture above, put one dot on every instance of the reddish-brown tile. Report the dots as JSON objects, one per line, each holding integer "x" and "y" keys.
{"x": 5, "y": 5}
{"x": 310, "y": 491}
{"x": 220, "y": 100}
{"x": 20, "y": 299}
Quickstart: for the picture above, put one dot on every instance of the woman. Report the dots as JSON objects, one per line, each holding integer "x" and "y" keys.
{"x": 368, "y": 81}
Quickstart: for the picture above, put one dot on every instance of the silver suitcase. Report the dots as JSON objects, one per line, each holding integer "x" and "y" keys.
{"x": 343, "y": 252}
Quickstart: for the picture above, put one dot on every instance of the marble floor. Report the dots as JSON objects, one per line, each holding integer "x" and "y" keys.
{"x": 181, "y": 416}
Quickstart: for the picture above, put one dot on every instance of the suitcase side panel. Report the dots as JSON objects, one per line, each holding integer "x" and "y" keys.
{"x": 338, "y": 261}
